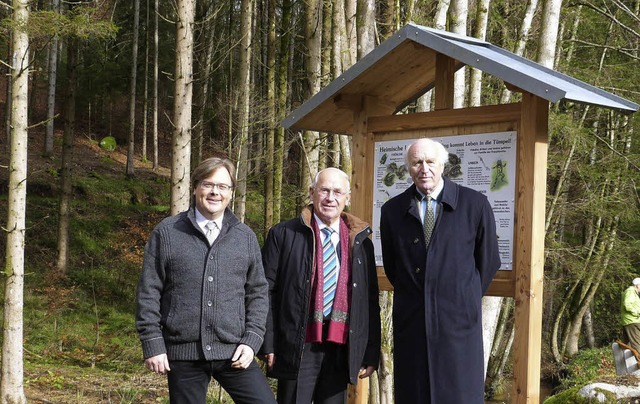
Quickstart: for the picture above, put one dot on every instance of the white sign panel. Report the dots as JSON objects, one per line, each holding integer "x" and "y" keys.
{"x": 485, "y": 162}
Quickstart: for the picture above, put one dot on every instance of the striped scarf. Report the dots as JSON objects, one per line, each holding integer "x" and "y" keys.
{"x": 339, "y": 320}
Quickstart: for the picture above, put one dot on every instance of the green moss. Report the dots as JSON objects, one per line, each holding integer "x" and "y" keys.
{"x": 571, "y": 396}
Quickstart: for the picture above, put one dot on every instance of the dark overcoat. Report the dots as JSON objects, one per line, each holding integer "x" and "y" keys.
{"x": 437, "y": 317}
{"x": 288, "y": 254}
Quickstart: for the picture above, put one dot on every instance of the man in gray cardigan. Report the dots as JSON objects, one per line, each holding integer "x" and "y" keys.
{"x": 202, "y": 297}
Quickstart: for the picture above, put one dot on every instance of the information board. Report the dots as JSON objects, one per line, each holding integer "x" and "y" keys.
{"x": 485, "y": 162}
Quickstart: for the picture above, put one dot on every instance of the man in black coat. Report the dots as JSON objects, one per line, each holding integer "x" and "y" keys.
{"x": 440, "y": 253}
{"x": 323, "y": 325}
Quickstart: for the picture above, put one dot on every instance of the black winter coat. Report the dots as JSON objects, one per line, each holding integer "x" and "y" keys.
{"x": 437, "y": 317}
{"x": 287, "y": 256}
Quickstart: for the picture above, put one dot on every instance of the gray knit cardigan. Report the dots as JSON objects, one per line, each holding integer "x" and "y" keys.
{"x": 196, "y": 302}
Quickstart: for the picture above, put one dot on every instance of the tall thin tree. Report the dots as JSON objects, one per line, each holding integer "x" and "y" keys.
{"x": 66, "y": 167}
{"x": 133, "y": 78}
{"x": 458, "y": 14}
{"x": 271, "y": 115}
{"x": 145, "y": 107}
{"x": 282, "y": 92}
{"x": 12, "y": 376}
{"x": 155, "y": 83}
{"x": 182, "y": 106}
{"x": 53, "y": 76}
{"x": 244, "y": 96}
{"x": 312, "y": 65}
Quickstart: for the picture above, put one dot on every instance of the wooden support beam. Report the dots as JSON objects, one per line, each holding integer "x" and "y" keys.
{"x": 362, "y": 192}
{"x": 448, "y": 117}
{"x": 362, "y": 163}
{"x": 445, "y": 68}
{"x": 529, "y": 247}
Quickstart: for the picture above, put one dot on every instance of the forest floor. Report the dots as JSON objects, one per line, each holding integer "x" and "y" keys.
{"x": 72, "y": 376}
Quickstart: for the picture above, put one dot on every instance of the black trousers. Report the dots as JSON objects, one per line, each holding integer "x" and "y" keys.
{"x": 189, "y": 381}
{"x": 322, "y": 378}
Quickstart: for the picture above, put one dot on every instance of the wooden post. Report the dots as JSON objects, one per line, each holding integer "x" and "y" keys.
{"x": 529, "y": 251}
{"x": 362, "y": 192}
{"x": 445, "y": 69}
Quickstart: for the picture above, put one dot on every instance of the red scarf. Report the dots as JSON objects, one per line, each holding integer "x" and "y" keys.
{"x": 338, "y": 323}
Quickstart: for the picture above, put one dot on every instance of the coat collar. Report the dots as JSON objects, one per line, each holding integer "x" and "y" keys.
{"x": 448, "y": 196}
{"x": 355, "y": 224}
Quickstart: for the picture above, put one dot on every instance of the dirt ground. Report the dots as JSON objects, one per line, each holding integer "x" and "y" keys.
{"x": 87, "y": 156}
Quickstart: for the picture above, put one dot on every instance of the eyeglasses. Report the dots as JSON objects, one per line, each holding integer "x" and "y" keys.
{"x": 210, "y": 186}
{"x": 337, "y": 193}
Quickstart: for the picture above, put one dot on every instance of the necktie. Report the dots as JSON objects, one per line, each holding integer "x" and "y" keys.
{"x": 429, "y": 221}
{"x": 212, "y": 231}
{"x": 329, "y": 268}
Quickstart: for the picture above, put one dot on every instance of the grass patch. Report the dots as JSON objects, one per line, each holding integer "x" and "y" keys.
{"x": 587, "y": 366}
{"x": 80, "y": 340}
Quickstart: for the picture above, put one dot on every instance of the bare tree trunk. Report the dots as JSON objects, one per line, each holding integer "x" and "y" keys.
{"x": 388, "y": 12}
{"x": 549, "y": 32}
{"x": 133, "y": 77}
{"x": 283, "y": 77}
{"x": 337, "y": 37}
{"x": 145, "y": 107}
{"x": 587, "y": 323}
{"x": 440, "y": 19}
{"x": 208, "y": 40}
{"x": 51, "y": 96}
{"x": 12, "y": 376}
{"x": 439, "y": 22}
{"x": 458, "y": 20}
{"x": 313, "y": 66}
{"x": 502, "y": 341}
{"x": 183, "y": 99}
{"x": 8, "y": 107}
{"x": 351, "y": 37}
{"x": 244, "y": 94}
{"x": 480, "y": 32}
{"x": 366, "y": 23}
{"x": 271, "y": 119}
{"x": 66, "y": 170}
{"x": 326, "y": 66}
{"x": 155, "y": 84}
{"x": 490, "y": 312}
{"x": 385, "y": 371}
{"x": 522, "y": 40}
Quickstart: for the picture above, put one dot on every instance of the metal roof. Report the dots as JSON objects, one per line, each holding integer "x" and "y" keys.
{"x": 402, "y": 68}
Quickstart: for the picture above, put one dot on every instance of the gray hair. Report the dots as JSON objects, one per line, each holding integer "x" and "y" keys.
{"x": 441, "y": 153}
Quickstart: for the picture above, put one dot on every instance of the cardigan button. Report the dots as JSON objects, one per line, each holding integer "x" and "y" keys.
{"x": 418, "y": 270}
{"x": 209, "y": 303}
{"x": 208, "y": 347}
{"x": 416, "y": 241}
{"x": 210, "y": 279}
{"x": 355, "y": 285}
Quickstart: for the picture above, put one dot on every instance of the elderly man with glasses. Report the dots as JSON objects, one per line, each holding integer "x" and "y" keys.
{"x": 323, "y": 327}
